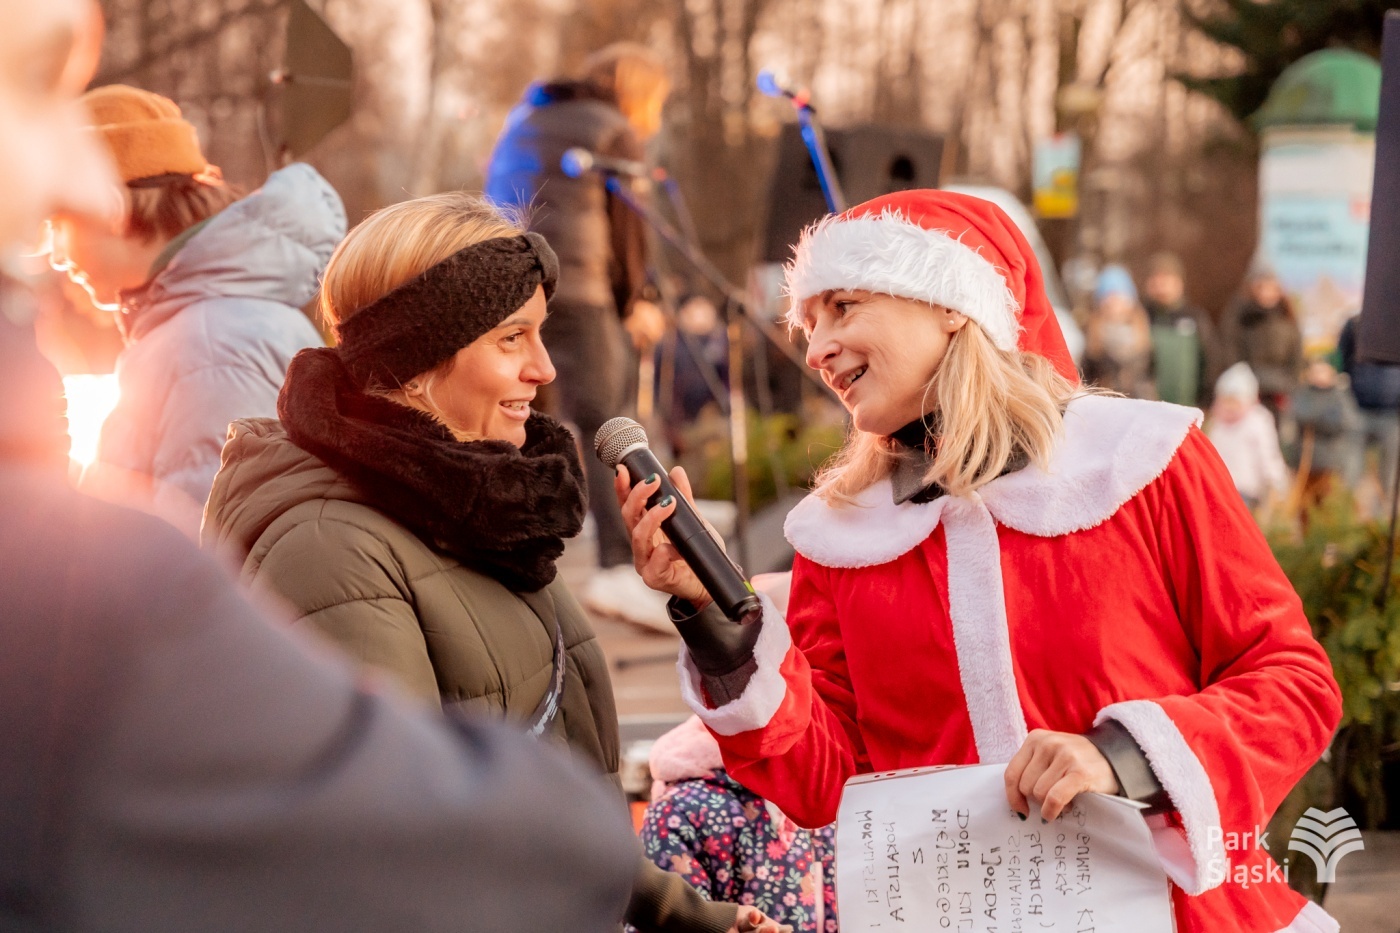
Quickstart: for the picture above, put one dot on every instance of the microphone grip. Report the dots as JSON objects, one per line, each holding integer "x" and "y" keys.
{"x": 719, "y": 575}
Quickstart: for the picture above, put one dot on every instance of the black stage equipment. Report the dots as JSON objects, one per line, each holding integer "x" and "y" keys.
{"x": 312, "y": 92}
{"x": 869, "y": 160}
{"x": 1378, "y": 330}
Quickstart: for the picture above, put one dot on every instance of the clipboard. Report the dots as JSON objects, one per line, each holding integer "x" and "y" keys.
{"x": 937, "y": 848}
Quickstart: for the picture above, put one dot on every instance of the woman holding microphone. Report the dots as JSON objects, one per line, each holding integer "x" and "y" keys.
{"x": 1002, "y": 567}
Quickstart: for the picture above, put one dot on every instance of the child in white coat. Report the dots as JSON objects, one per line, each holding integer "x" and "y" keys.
{"x": 1244, "y": 433}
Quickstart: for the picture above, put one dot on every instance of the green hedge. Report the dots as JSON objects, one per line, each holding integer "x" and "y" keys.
{"x": 1335, "y": 564}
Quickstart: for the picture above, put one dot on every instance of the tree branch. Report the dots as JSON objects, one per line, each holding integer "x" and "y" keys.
{"x": 158, "y": 52}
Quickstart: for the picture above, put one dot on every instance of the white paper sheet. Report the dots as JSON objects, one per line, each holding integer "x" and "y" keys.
{"x": 940, "y": 849}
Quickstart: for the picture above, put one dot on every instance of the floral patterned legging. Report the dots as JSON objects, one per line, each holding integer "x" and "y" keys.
{"x": 731, "y": 846}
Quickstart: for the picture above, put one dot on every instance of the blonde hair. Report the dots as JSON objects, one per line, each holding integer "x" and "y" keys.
{"x": 637, "y": 77}
{"x": 991, "y": 403}
{"x": 399, "y": 243}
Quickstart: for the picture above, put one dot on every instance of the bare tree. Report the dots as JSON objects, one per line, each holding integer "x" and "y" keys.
{"x": 435, "y": 78}
{"x": 718, "y": 155}
{"x": 213, "y": 58}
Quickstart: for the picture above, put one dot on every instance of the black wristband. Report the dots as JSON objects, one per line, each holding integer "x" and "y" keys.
{"x": 1136, "y": 780}
{"x": 717, "y": 645}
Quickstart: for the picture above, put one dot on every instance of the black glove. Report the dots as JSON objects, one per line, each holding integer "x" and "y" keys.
{"x": 1129, "y": 764}
{"x": 721, "y": 650}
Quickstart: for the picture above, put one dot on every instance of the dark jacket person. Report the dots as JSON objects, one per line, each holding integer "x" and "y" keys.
{"x": 168, "y": 760}
{"x": 1261, "y": 329}
{"x": 610, "y": 110}
{"x": 411, "y": 506}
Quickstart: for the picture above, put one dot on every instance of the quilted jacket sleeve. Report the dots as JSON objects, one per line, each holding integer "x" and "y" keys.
{"x": 194, "y": 424}
{"x": 346, "y": 584}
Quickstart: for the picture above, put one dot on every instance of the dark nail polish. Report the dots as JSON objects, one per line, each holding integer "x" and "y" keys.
{"x": 650, "y": 479}
{"x": 665, "y": 502}
{"x": 1020, "y": 816}
{"x": 1044, "y": 820}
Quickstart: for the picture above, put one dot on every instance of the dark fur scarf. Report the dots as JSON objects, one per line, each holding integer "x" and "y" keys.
{"x": 502, "y": 510}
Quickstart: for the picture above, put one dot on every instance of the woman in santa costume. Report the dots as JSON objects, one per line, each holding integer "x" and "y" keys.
{"x": 1002, "y": 567}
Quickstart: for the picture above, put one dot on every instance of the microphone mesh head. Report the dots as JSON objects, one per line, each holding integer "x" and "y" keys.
{"x": 615, "y": 437}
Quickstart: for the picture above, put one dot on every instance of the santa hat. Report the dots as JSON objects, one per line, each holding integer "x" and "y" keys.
{"x": 948, "y": 249}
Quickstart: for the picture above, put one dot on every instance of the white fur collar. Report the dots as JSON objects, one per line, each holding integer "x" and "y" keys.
{"x": 1110, "y": 449}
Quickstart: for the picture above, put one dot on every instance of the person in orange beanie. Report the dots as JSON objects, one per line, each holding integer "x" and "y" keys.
{"x": 207, "y": 289}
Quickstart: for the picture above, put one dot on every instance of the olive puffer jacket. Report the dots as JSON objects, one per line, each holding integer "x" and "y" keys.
{"x": 447, "y": 632}
{"x": 307, "y": 537}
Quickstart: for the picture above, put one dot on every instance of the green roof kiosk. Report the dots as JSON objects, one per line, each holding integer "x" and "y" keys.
{"x": 1317, "y": 159}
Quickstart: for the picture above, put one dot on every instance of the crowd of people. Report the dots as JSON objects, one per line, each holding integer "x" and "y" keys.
{"x": 1329, "y": 416}
{"x": 399, "y": 715}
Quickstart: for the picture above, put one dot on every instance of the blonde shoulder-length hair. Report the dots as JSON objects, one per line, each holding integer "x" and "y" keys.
{"x": 399, "y": 243}
{"x": 991, "y": 403}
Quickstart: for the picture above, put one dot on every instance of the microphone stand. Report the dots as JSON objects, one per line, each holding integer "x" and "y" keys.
{"x": 712, "y": 274}
{"x": 679, "y": 205}
{"x": 815, "y": 139}
{"x": 812, "y": 137}
{"x": 736, "y": 310}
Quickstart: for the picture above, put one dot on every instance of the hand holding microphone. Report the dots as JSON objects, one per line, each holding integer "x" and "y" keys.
{"x": 686, "y": 561}
{"x": 691, "y": 563}
{"x": 657, "y": 560}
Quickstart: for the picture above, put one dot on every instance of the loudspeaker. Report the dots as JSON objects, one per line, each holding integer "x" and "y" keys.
{"x": 869, "y": 160}
{"x": 313, "y": 88}
{"x": 1378, "y": 330}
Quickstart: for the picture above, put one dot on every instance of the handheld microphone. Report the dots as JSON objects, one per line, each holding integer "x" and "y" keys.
{"x": 622, "y": 440}
{"x": 578, "y": 162}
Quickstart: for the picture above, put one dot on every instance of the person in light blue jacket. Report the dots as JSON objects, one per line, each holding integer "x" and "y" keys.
{"x": 208, "y": 292}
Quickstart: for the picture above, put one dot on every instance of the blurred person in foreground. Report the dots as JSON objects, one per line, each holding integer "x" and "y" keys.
{"x": 1245, "y": 436}
{"x": 948, "y": 603}
{"x": 1182, "y": 334}
{"x": 207, "y": 290}
{"x": 1118, "y": 338}
{"x": 1260, "y": 328}
{"x": 172, "y": 762}
{"x": 1376, "y": 388}
{"x": 601, "y": 310}
{"x": 410, "y": 505}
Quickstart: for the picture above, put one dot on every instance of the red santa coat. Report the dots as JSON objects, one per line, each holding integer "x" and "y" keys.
{"x": 1125, "y": 582}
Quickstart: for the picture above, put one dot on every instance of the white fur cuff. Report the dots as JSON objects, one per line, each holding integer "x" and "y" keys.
{"x": 1312, "y": 919}
{"x": 765, "y": 691}
{"x": 1188, "y": 785}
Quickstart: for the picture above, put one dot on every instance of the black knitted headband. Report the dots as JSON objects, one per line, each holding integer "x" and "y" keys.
{"x": 426, "y": 320}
